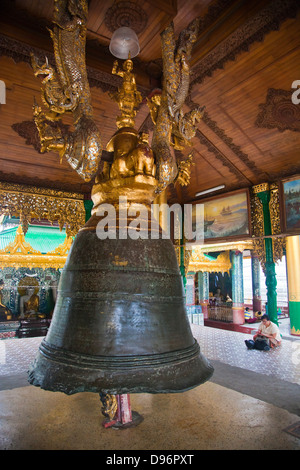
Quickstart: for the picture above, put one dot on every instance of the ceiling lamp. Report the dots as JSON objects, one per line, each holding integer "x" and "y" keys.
{"x": 124, "y": 43}
{"x": 216, "y": 188}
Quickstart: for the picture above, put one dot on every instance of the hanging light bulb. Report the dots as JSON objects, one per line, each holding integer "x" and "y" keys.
{"x": 124, "y": 42}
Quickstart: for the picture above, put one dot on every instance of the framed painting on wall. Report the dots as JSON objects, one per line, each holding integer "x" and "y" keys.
{"x": 291, "y": 204}
{"x": 226, "y": 216}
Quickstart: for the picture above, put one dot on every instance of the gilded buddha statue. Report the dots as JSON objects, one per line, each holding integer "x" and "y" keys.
{"x": 29, "y": 300}
{"x": 127, "y": 96}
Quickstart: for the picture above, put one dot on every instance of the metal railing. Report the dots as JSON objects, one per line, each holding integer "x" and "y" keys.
{"x": 220, "y": 313}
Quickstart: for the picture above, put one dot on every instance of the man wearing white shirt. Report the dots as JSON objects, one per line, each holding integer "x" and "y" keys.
{"x": 268, "y": 332}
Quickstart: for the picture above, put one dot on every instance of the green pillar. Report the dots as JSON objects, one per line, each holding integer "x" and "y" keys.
{"x": 256, "y": 297}
{"x": 182, "y": 267}
{"x": 293, "y": 271}
{"x": 237, "y": 288}
{"x": 88, "y": 205}
{"x": 271, "y": 282}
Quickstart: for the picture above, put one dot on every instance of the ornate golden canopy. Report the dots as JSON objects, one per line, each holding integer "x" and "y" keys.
{"x": 20, "y": 254}
{"x": 200, "y": 262}
{"x": 31, "y": 202}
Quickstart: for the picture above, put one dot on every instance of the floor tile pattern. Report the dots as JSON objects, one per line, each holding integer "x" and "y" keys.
{"x": 16, "y": 354}
{"x": 229, "y": 347}
{"x": 216, "y": 344}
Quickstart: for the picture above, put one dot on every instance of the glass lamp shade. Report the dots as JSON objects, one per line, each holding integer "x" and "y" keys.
{"x": 124, "y": 41}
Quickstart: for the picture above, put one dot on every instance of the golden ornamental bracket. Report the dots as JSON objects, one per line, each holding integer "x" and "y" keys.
{"x": 257, "y": 218}
{"x": 19, "y": 245}
{"x": 30, "y": 202}
{"x": 279, "y": 243}
{"x": 62, "y": 249}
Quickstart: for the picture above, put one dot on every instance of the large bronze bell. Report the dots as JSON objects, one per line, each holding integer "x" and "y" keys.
{"x": 120, "y": 324}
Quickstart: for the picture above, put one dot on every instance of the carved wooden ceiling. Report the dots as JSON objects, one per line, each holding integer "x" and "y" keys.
{"x": 244, "y": 63}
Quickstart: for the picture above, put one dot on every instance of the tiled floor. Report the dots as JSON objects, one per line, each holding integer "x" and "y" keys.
{"x": 216, "y": 344}
{"x": 229, "y": 347}
{"x": 17, "y": 354}
{"x": 211, "y": 416}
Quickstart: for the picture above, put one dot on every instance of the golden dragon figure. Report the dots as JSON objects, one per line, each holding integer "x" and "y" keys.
{"x": 173, "y": 128}
{"x": 66, "y": 89}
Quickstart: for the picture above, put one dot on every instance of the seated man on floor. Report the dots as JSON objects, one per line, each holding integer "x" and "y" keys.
{"x": 267, "y": 337}
{"x": 249, "y": 316}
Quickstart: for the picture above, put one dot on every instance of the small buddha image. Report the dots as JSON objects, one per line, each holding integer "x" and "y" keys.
{"x": 218, "y": 296}
{"x": 127, "y": 96}
{"x": 5, "y": 312}
{"x": 29, "y": 301}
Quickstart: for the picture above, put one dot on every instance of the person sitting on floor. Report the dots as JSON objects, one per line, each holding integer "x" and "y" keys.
{"x": 247, "y": 314}
{"x": 258, "y": 315}
{"x": 267, "y": 337}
